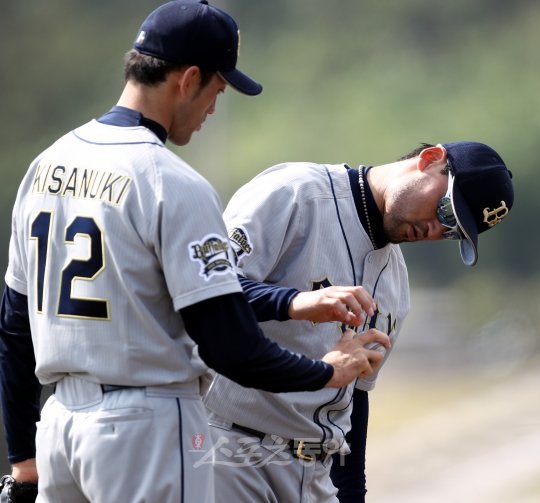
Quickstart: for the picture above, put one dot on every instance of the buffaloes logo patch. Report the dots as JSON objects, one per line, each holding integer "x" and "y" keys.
{"x": 240, "y": 238}
{"x": 212, "y": 255}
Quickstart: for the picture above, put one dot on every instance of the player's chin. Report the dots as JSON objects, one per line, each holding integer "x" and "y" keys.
{"x": 395, "y": 231}
{"x": 180, "y": 141}
{"x": 406, "y": 234}
{"x": 396, "y": 237}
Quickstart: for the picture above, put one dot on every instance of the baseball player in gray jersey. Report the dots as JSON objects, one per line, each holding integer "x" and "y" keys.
{"x": 307, "y": 226}
{"x": 120, "y": 274}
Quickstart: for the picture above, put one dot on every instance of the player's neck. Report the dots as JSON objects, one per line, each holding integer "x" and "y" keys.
{"x": 374, "y": 179}
{"x": 150, "y": 104}
{"x": 381, "y": 177}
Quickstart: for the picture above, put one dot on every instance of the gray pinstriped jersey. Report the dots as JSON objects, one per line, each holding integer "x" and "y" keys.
{"x": 285, "y": 230}
{"x": 112, "y": 234}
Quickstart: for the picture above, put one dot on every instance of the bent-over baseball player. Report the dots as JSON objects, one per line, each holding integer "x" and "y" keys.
{"x": 308, "y": 226}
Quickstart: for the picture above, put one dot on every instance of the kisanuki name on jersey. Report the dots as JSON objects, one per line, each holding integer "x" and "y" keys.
{"x": 84, "y": 183}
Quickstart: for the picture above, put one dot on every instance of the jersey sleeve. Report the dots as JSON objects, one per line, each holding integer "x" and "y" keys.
{"x": 263, "y": 219}
{"x": 17, "y": 272}
{"x": 192, "y": 243}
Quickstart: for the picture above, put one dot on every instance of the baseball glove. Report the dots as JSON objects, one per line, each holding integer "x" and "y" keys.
{"x": 12, "y": 491}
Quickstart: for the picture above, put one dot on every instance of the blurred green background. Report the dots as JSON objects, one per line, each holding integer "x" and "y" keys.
{"x": 356, "y": 81}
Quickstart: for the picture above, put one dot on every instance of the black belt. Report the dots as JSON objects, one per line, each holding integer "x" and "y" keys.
{"x": 300, "y": 449}
{"x": 107, "y": 388}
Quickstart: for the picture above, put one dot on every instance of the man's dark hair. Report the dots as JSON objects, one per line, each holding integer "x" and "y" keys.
{"x": 416, "y": 153}
{"x": 151, "y": 71}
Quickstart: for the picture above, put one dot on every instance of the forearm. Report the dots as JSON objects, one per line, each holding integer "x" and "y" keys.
{"x": 20, "y": 390}
{"x": 346, "y": 304}
{"x": 269, "y": 302}
{"x": 241, "y": 352}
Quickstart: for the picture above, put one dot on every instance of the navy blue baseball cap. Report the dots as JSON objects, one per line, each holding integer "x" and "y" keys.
{"x": 194, "y": 33}
{"x": 482, "y": 193}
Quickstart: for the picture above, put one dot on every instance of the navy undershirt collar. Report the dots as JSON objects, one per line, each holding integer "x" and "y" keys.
{"x": 126, "y": 117}
{"x": 375, "y": 216}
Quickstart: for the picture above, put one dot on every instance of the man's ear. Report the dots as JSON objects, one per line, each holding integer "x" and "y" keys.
{"x": 431, "y": 155}
{"x": 189, "y": 81}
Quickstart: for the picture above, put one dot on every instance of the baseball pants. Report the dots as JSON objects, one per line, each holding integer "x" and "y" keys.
{"x": 129, "y": 445}
{"x": 248, "y": 469}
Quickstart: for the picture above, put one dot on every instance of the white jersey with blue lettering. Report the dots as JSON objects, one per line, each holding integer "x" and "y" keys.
{"x": 296, "y": 225}
{"x": 105, "y": 246}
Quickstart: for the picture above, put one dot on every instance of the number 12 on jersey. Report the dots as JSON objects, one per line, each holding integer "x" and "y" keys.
{"x": 86, "y": 269}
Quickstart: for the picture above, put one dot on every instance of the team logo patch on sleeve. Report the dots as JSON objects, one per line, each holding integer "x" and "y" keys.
{"x": 240, "y": 238}
{"x": 212, "y": 255}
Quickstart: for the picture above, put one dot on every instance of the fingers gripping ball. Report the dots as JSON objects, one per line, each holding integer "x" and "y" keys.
{"x": 375, "y": 346}
{"x": 12, "y": 491}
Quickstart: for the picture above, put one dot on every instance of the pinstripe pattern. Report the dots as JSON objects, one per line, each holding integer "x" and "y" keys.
{"x": 130, "y": 191}
{"x": 181, "y": 447}
{"x": 288, "y": 215}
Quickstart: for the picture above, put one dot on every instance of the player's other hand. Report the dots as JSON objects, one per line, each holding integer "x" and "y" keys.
{"x": 352, "y": 358}
{"x": 21, "y": 485}
{"x": 346, "y": 304}
{"x": 25, "y": 471}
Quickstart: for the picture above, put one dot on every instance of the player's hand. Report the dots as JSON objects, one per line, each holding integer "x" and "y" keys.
{"x": 25, "y": 471}
{"x": 347, "y": 304}
{"x": 351, "y": 357}
{"x": 21, "y": 485}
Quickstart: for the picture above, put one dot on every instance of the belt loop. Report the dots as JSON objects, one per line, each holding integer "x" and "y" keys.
{"x": 107, "y": 388}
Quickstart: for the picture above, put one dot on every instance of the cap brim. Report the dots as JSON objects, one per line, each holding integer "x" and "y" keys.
{"x": 241, "y": 82}
{"x": 468, "y": 245}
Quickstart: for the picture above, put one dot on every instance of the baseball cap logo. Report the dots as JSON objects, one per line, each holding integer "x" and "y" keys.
{"x": 493, "y": 217}
{"x": 141, "y": 37}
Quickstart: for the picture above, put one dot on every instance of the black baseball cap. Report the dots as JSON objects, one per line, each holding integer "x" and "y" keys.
{"x": 193, "y": 32}
{"x": 482, "y": 193}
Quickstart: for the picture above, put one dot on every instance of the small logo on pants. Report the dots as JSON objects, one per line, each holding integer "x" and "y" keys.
{"x": 197, "y": 441}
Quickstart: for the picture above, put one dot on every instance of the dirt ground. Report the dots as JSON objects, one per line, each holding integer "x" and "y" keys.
{"x": 444, "y": 439}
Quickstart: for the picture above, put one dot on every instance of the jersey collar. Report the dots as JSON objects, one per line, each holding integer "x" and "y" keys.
{"x": 375, "y": 216}
{"x": 126, "y": 117}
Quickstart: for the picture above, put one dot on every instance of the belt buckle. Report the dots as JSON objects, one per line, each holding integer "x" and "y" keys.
{"x": 301, "y": 455}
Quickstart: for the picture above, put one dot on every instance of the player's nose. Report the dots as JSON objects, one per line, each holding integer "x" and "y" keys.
{"x": 212, "y": 107}
{"x": 436, "y": 230}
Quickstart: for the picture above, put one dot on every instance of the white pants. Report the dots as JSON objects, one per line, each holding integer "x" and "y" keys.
{"x": 135, "y": 445}
{"x": 249, "y": 470}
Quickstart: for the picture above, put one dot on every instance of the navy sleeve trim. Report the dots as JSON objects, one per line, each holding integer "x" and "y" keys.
{"x": 20, "y": 390}
{"x": 269, "y": 302}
